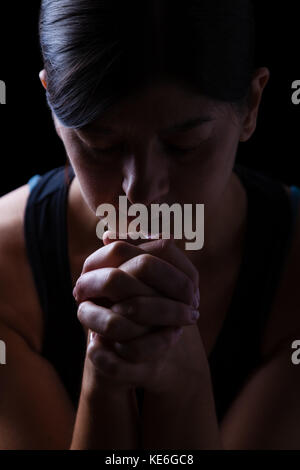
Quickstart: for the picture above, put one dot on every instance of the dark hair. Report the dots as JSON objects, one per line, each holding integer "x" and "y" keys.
{"x": 97, "y": 52}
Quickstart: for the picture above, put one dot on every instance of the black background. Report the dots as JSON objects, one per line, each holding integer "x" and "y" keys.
{"x": 29, "y": 145}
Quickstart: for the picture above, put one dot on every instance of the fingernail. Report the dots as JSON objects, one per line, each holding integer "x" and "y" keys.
{"x": 195, "y": 315}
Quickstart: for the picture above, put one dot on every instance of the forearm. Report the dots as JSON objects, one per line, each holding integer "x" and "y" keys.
{"x": 107, "y": 418}
{"x": 183, "y": 418}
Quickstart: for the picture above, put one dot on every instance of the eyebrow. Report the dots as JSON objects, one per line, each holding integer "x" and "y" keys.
{"x": 183, "y": 126}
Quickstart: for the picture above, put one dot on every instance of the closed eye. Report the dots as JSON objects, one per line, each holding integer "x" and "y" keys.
{"x": 109, "y": 150}
{"x": 180, "y": 150}
{"x": 120, "y": 148}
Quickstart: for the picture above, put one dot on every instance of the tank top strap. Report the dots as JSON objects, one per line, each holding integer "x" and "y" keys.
{"x": 45, "y": 230}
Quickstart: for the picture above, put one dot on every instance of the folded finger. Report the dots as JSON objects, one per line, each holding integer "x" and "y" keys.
{"x": 156, "y": 311}
{"x": 167, "y": 280}
{"x": 111, "y": 283}
{"x": 106, "y": 322}
{"x": 164, "y": 248}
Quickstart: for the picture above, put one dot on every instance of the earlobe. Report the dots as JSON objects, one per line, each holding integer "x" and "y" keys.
{"x": 43, "y": 78}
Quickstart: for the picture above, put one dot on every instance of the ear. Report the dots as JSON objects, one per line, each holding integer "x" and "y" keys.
{"x": 259, "y": 81}
{"x": 43, "y": 78}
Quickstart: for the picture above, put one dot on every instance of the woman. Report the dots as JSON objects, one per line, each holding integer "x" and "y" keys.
{"x": 150, "y": 100}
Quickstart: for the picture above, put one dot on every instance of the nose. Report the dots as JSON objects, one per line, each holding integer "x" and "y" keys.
{"x": 146, "y": 178}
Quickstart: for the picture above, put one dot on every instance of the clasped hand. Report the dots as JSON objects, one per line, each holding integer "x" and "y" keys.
{"x": 138, "y": 298}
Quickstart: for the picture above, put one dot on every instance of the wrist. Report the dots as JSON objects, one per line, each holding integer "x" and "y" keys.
{"x": 95, "y": 384}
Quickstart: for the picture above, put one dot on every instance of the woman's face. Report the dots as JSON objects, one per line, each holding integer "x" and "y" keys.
{"x": 164, "y": 145}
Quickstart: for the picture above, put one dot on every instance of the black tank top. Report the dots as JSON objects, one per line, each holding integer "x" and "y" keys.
{"x": 237, "y": 352}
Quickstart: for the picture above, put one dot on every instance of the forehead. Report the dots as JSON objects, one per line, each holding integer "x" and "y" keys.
{"x": 161, "y": 105}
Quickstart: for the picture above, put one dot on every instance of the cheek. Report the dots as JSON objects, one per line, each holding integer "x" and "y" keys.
{"x": 97, "y": 184}
{"x": 204, "y": 178}
{"x": 98, "y": 189}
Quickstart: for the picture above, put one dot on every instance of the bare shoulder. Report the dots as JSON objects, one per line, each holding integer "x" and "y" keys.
{"x": 19, "y": 305}
{"x": 283, "y": 326}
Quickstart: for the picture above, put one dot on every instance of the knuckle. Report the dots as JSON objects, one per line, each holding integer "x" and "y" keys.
{"x": 113, "y": 277}
{"x": 80, "y": 287}
{"x": 132, "y": 308}
{"x": 118, "y": 248}
{"x": 127, "y": 308}
{"x": 111, "y": 327}
{"x": 87, "y": 265}
{"x": 142, "y": 262}
{"x": 81, "y": 311}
